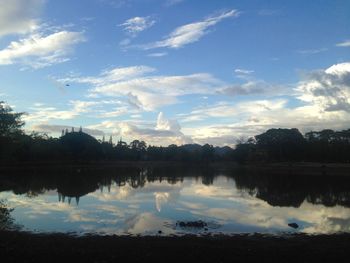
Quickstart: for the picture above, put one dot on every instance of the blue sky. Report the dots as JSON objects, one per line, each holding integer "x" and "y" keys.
{"x": 176, "y": 71}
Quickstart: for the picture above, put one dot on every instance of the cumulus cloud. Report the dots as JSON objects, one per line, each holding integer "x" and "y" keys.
{"x": 329, "y": 89}
{"x": 40, "y": 50}
{"x": 320, "y": 100}
{"x": 190, "y": 33}
{"x": 19, "y": 16}
{"x": 162, "y": 132}
{"x": 324, "y": 102}
{"x": 167, "y": 125}
{"x": 137, "y": 24}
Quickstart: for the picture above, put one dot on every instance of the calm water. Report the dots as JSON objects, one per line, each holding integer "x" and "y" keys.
{"x": 144, "y": 201}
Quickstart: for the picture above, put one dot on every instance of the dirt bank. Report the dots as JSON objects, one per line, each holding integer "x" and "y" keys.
{"x": 26, "y": 247}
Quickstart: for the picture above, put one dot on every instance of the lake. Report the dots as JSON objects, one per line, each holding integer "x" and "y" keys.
{"x": 174, "y": 200}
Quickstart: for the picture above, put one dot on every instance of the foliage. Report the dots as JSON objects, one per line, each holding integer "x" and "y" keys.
{"x": 6, "y": 221}
{"x": 10, "y": 122}
{"x": 274, "y": 145}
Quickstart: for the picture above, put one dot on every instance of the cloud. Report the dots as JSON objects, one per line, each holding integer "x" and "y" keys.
{"x": 57, "y": 129}
{"x": 137, "y": 24}
{"x": 42, "y": 113}
{"x": 312, "y": 51}
{"x": 252, "y": 87}
{"x": 243, "y": 71}
{"x": 19, "y": 16}
{"x": 346, "y": 43}
{"x": 225, "y": 109}
{"x": 165, "y": 132}
{"x": 45, "y": 114}
{"x": 167, "y": 125}
{"x": 320, "y": 100}
{"x": 143, "y": 90}
{"x": 39, "y": 50}
{"x": 157, "y": 54}
{"x": 162, "y": 132}
{"x": 190, "y": 33}
{"x": 328, "y": 89}
{"x": 110, "y": 76}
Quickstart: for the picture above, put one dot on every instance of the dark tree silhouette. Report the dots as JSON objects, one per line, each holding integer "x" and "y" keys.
{"x": 274, "y": 145}
{"x": 10, "y": 122}
{"x": 281, "y": 144}
{"x": 80, "y": 146}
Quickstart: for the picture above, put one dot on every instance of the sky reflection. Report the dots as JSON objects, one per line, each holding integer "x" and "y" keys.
{"x": 156, "y": 206}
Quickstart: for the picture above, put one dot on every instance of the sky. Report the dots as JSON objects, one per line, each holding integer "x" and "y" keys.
{"x": 176, "y": 71}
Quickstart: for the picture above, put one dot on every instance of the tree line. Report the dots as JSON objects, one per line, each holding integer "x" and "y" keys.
{"x": 274, "y": 145}
{"x": 289, "y": 145}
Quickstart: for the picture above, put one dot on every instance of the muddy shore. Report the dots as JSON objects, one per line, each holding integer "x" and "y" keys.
{"x": 27, "y": 247}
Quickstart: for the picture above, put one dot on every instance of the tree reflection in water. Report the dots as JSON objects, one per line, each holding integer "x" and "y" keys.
{"x": 276, "y": 189}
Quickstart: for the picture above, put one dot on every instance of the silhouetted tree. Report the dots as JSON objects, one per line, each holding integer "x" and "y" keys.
{"x": 282, "y": 144}
{"x": 81, "y": 146}
{"x": 10, "y": 122}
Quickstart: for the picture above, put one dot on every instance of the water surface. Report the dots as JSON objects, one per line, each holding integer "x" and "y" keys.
{"x": 152, "y": 201}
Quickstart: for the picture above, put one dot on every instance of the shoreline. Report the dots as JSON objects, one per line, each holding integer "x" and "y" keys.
{"x": 283, "y": 168}
{"x": 34, "y": 247}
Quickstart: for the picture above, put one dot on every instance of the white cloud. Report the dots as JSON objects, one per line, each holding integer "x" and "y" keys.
{"x": 311, "y": 51}
{"x": 243, "y": 71}
{"x": 190, "y": 33}
{"x": 137, "y": 24}
{"x": 162, "y": 132}
{"x": 42, "y": 113}
{"x": 325, "y": 97}
{"x": 346, "y": 43}
{"x": 222, "y": 110}
{"x": 324, "y": 101}
{"x": 252, "y": 87}
{"x": 146, "y": 91}
{"x": 57, "y": 129}
{"x": 19, "y": 16}
{"x": 167, "y": 125}
{"x": 40, "y": 50}
{"x": 329, "y": 90}
{"x": 110, "y": 76}
{"x": 143, "y": 91}
{"x": 158, "y": 54}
